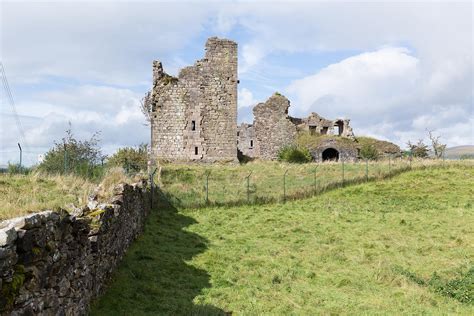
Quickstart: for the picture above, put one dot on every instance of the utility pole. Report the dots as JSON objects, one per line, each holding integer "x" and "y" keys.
{"x": 21, "y": 155}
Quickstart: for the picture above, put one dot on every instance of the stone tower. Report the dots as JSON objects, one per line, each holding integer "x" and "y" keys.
{"x": 194, "y": 116}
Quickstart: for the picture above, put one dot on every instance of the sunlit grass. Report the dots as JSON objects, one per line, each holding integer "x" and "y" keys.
{"x": 195, "y": 185}
{"x": 356, "y": 250}
{"x": 35, "y": 192}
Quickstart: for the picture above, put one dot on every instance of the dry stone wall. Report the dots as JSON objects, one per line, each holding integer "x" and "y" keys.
{"x": 55, "y": 263}
{"x": 274, "y": 129}
{"x": 194, "y": 116}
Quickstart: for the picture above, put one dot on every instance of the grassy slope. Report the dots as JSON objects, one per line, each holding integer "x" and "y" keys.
{"x": 23, "y": 194}
{"x": 228, "y": 184}
{"x": 340, "y": 252}
{"x": 458, "y": 151}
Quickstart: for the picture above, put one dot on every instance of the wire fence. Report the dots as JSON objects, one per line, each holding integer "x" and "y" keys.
{"x": 197, "y": 186}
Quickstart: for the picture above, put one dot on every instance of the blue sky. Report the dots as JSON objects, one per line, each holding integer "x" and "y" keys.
{"x": 395, "y": 68}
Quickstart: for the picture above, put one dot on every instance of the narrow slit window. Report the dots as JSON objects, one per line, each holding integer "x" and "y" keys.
{"x": 195, "y": 150}
{"x": 193, "y": 126}
{"x": 251, "y": 143}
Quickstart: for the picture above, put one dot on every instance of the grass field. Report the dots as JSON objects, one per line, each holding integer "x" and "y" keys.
{"x": 404, "y": 245}
{"x": 24, "y": 194}
{"x": 185, "y": 185}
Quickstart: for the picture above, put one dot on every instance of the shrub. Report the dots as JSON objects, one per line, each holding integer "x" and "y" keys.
{"x": 368, "y": 151}
{"x": 418, "y": 150}
{"x": 73, "y": 155}
{"x": 294, "y": 154}
{"x": 130, "y": 158}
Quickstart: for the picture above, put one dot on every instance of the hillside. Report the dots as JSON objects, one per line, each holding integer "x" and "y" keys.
{"x": 398, "y": 246}
{"x": 458, "y": 151}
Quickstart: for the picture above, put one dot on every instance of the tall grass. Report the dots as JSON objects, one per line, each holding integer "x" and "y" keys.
{"x": 34, "y": 192}
{"x": 263, "y": 182}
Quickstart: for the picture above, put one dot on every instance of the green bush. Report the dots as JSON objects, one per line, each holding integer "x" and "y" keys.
{"x": 130, "y": 158}
{"x": 71, "y": 155}
{"x": 294, "y": 154}
{"x": 368, "y": 151}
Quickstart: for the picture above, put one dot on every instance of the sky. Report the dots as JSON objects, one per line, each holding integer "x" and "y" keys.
{"x": 395, "y": 68}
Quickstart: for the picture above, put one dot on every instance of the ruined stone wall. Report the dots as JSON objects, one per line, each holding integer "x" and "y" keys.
{"x": 346, "y": 151}
{"x": 54, "y": 263}
{"x": 194, "y": 116}
{"x": 274, "y": 129}
{"x": 316, "y": 124}
{"x": 246, "y": 141}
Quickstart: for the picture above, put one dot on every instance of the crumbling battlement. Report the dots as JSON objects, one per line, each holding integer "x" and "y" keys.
{"x": 194, "y": 116}
{"x": 274, "y": 129}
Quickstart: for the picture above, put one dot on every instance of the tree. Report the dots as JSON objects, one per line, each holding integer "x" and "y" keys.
{"x": 418, "y": 150}
{"x": 130, "y": 158}
{"x": 145, "y": 107}
{"x": 73, "y": 155}
{"x": 369, "y": 151}
{"x": 438, "y": 148}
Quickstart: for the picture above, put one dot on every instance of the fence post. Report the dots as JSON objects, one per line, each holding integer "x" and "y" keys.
{"x": 152, "y": 187}
{"x": 21, "y": 154}
{"x": 314, "y": 178}
{"x": 284, "y": 186}
{"x": 366, "y": 170}
{"x": 342, "y": 163}
{"x": 207, "y": 186}
{"x": 65, "y": 158}
{"x": 389, "y": 164}
{"x": 248, "y": 187}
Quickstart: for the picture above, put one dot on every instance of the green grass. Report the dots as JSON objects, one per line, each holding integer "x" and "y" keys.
{"x": 185, "y": 185}
{"x": 24, "y": 194}
{"x": 399, "y": 246}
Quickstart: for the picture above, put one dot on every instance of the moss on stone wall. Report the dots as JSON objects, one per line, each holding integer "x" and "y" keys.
{"x": 10, "y": 289}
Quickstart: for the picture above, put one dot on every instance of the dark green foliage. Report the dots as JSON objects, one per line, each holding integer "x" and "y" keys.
{"x": 461, "y": 288}
{"x": 71, "y": 155}
{"x": 294, "y": 154}
{"x": 418, "y": 150}
{"x": 17, "y": 169}
{"x": 368, "y": 151}
{"x": 9, "y": 290}
{"x": 130, "y": 158}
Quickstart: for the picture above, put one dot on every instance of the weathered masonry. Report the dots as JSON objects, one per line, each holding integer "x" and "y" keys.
{"x": 274, "y": 129}
{"x": 194, "y": 117}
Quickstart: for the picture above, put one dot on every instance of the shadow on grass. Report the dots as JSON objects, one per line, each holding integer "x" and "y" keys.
{"x": 154, "y": 278}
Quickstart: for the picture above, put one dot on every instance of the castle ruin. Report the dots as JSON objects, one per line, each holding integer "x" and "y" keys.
{"x": 274, "y": 129}
{"x": 194, "y": 116}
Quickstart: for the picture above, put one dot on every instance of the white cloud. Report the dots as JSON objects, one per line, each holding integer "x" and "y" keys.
{"x": 114, "y": 112}
{"x": 367, "y": 81}
{"x": 389, "y": 95}
{"x": 389, "y": 91}
{"x": 246, "y": 98}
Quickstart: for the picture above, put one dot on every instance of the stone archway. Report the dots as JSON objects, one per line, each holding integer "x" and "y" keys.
{"x": 330, "y": 154}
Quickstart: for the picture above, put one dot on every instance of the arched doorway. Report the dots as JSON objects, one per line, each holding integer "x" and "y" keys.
{"x": 330, "y": 154}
